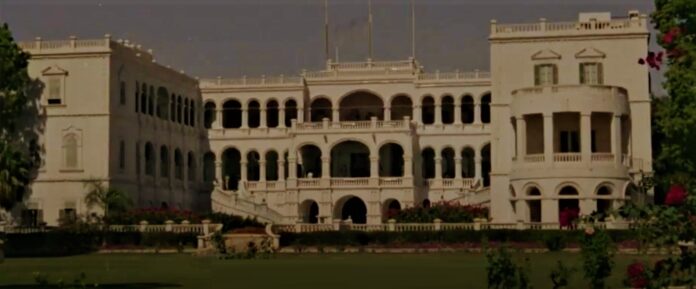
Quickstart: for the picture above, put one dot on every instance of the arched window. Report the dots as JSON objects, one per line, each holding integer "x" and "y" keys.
{"x": 191, "y": 166}
{"x": 321, "y": 109}
{"x": 428, "y": 163}
{"x": 137, "y": 97}
{"x": 137, "y": 158}
{"x": 428, "y": 110}
{"x": 151, "y": 102}
{"x": 271, "y": 166}
{"x": 486, "y": 108}
{"x": 467, "y": 109}
{"x": 209, "y": 167}
{"x": 179, "y": 109}
{"x": 232, "y": 114}
{"x": 192, "y": 113}
{"x": 350, "y": 159}
{"x": 391, "y": 160}
{"x": 447, "y": 108}
{"x": 448, "y": 163}
{"x": 172, "y": 108}
{"x": 401, "y": 106}
{"x": 486, "y": 165}
{"x": 71, "y": 151}
{"x": 254, "y": 114}
{"x": 209, "y": 114}
{"x": 149, "y": 159}
{"x": 290, "y": 112}
{"x": 143, "y": 99}
{"x": 162, "y": 103}
{"x": 253, "y": 168}
{"x": 272, "y": 114}
{"x": 178, "y": 165}
{"x": 164, "y": 162}
{"x": 185, "y": 112}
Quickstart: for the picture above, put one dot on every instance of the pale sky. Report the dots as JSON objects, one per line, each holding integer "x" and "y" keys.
{"x": 209, "y": 38}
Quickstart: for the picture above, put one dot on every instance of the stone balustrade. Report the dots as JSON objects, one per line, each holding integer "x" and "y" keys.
{"x": 636, "y": 24}
{"x": 358, "y": 126}
{"x": 144, "y": 227}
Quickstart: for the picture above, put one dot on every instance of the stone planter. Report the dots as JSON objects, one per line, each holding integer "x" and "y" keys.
{"x": 241, "y": 241}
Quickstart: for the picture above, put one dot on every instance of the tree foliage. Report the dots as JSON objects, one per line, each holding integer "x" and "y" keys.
{"x": 675, "y": 21}
{"x": 18, "y": 115}
{"x": 108, "y": 199}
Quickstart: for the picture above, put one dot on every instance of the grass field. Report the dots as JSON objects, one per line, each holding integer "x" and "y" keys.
{"x": 330, "y": 271}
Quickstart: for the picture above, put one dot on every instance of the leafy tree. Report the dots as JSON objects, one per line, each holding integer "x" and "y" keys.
{"x": 675, "y": 115}
{"x": 18, "y": 112}
{"x": 109, "y": 199}
{"x": 597, "y": 257}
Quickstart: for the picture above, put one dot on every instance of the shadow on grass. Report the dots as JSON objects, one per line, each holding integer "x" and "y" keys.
{"x": 107, "y": 285}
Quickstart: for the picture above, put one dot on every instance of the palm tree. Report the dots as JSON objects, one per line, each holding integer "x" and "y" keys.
{"x": 14, "y": 175}
{"x": 107, "y": 198}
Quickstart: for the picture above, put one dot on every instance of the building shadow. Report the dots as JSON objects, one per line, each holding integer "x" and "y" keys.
{"x": 107, "y": 285}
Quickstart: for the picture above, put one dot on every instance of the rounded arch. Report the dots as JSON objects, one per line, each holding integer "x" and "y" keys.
{"x": 253, "y": 113}
{"x": 391, "y": 160}
{"x": 253, "y": 159}
{"x": 401, "y": 106}
{"x": 428, "y": 109}
{"x": 351, "y": 207}
{"x": 360, "y": 105}
{"x": 448, "y": 166}
{"x": 209, "y": 114}
{"x": 271, "y": 157}
{"x": 290, "y": 111}
{"x": 604, "y": 189}
{"x": 309, "y": 211}
{"x": 468, "y": 162}
{"x": 149, "y": 159}
{"x": 350, "y": 159}
{"x": 179, "y": 109}
{"x": 178, "y": 164}
{"x": 320, "y": 108}
{"x": 352, "y": 139}
{"x": 164, "y": 162}
{"x": 467, "y": 109}
{"x": 231, "y": 168}
{"x": 604, "y": 200}
{"x": 532, "y": 190}
{"x": 390, "y": 209}
{"x": 486, "y": 164}
{"x": 567, "y": 189}
{"x": 309, "y": 161}
{"x": 231, "y": 114}
{"x": 486, "y": 107}
{"x": 162, "y": 103}
{"x": 191, "y": 166}
{"x": 272, "y": 111}
{"x": 209, "y": 167}
{"x": 447, "y": 109}
{"x": 428, "y": 163}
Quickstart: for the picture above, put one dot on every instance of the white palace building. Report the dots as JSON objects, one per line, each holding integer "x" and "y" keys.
{"x": 561, "y": 120}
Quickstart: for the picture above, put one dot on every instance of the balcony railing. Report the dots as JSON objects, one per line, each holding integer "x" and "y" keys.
{"x": 602, "y": 157}
{"x": 350, "y": 182}
{"x": 352, "y": 125}
{"x": 534, "y": 158}
{"x": 567, "y": 157}
{"x": 635, "y": 24}
{"x": 391, "y": 181}
{"x": 308, "y": 183}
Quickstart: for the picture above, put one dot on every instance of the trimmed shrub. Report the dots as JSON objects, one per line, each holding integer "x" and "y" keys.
{"x": 448, "y": 212}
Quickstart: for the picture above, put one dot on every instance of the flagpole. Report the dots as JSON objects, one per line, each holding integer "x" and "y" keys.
{"x": 327, "y": 54}
{"x": 413, "y": 29}
{"x": 369, "y": 35}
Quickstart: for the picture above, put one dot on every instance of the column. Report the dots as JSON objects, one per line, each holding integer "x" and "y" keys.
{"x": 245, "y": 118}
{"x": 281, "y": 169}
{"x": 477, "y": 112}
{"x": 335, "y": 115}
{"x": 477, "y": 167}
{"x": 387, "y": 113}
{"x": 457, "y": 110}
{"x": 244, "y": 170}
{"x": 438, "y": 168}
{"x": 374, "y": 167}
{"x": 292, "y": 169}
{"x": 408, "y": 166}
{"x": 217, "y": 124}
{"x": 521, "y": 137}
{"x": 417, "y": 114}
{"x": 281, "y": 117}
{"x": 262, "y": 170}
{"x": 262, "y": 123}
{"x": 325, "y": 167}
{"x": 586, "y": 137}
{"x": 549, "y": 211}
{"x": 616, "y": 140}
{"x": 587, "y": 206}
{"x": 457, "y": 167}
{"x": 438, "y": 113}
{"x": 300, "y": 115}
{"x": 548, "y": 138}
{"x": 219, "y": 180}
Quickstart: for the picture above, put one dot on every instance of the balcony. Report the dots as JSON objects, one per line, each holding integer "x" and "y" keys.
{"x": 635, "y": 24}
{"x": 568, "y": 159}
{"x": 368, "y": 126}
{"x": 342, "y": 183}
{"x": 446, "y": 183}
{"x": 562, "y": 98}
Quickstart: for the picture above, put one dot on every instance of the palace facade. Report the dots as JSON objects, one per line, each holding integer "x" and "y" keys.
{"x": 561, "y": 121}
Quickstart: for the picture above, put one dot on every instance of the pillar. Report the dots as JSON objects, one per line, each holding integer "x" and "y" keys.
{"x": 335, "y": 115}
{"x": 457, "y": 110}
{"x": 262, "y": 122}
{"x": 281, "y": 117}
{"x": 325, "y": 167}
{"x": 477, "y": 167}
{"x": 245, "y": 118}
{"x": 217, "y": 124}
{"x": 300, "y": 115}
{"x": 616, "y": 140}
{"x": 477, "y": 112}
{"x": 438, "y": 167}
{"x": 521, "y": 124}
{"x": 281, "y": 169}
{"x": 292, "y": 169}
{"x": 374, "y": 167}
{"x": 549, "y": 211}
{"x": 586, "y": 137}
{"x": 262, "y": 170}
{"x": 218, "y": 175}
{"x": 408, "y": 166}
{"x": 548, "y": 138}
{"x": 387, "y": 113}
{"x": 417, "y": 117}
{"x": 457, "y": 167}
{"x": 244, "y": 170}
{"x": 587, "y": 206}
{"x": 438, "y": 113}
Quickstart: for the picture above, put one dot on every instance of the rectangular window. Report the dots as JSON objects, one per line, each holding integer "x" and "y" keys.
{"x": 591, "y": 73}
{"x": 122, "y": 155}
{"x": 54, "y": 90}
{"x": 122, "y": 93}
{"x": 67, "y": 215}
{"x": 545, "y": 74}
{"x": 32, "y": 217}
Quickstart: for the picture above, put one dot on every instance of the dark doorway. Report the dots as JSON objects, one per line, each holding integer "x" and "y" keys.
{"x": 355, "y": 209}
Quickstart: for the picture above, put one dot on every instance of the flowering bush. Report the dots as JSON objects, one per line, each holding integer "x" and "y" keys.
{"x": 636, "y": 275}
{"x": 449, "y": 212}
{"x": 597, "y": 256}
{"x": 568, "y": 216}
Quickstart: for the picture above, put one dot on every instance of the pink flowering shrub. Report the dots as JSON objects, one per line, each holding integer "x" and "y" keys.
{"x": 448, "y": 212}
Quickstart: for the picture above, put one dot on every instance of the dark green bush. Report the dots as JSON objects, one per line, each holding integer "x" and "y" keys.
{"x": 445, "y": 211}
{"x": 555, "y": 242}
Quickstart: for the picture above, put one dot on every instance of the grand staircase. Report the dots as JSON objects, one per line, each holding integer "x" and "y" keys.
{"x": 241, "y": 203}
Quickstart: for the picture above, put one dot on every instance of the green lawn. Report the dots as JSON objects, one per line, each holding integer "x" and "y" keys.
{"x": 330, "y": 271}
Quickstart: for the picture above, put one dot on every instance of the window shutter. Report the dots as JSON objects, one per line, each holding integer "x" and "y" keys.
{"x": 555, "y": 74}
{"x": 582, "y": 73}
{"x": 600, "y": 73}
{"x": 537, "y": 75}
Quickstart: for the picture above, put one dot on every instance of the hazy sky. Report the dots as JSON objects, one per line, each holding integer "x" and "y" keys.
{"x": 207, "y": 38}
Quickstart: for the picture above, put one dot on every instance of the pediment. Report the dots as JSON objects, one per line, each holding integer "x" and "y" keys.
{"x": 546, "y": 54}
{"x": 590, "y": 52}
{"x": 54, "y": 70}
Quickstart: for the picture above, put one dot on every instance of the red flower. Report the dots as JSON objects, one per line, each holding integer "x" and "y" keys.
{"x": 671, "y": 35}
{"x": 636, "y": 275}
{"x": 676, "y": 195}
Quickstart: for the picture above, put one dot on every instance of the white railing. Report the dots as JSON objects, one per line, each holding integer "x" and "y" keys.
{"x": 353, "y": 125}
{"x": 392, "y": 226}
{"x": 244, "y": 81}
{"x": 602, "y": 157}
{"x": 391, "y": 181}
{"x": 308, "y": 183}
{"x": 534, "y": 158}
{"x": 143, "y": 227}
{"x": 349, "y": 182}
{"x": 636, "y": 24}
{"x": 454, "y": 76}
{"x": 567, "y": 157}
